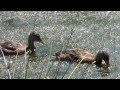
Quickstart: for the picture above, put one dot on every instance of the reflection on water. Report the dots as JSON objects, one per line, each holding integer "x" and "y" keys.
{"x": 91, "y": 30}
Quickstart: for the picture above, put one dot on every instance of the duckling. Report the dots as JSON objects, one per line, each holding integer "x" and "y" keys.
{"x": 13, "y": 48}
{"x": 77, "y": 55}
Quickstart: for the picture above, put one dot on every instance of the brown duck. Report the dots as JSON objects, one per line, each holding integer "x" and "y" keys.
{"x": 86, "y": 57}
{"x": 13, "y": 48}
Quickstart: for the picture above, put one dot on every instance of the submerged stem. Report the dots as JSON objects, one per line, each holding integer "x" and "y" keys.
{"x": 26, "y": 67}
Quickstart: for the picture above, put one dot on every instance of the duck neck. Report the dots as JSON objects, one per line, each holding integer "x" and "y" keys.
{"x": 98, "y": 59}
{"x": 98, "y": 62}
{"x": 30, "y": 44}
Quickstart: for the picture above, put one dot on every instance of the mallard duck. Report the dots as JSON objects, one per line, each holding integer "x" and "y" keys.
{"x": 85, "y": 56}
{"x": 13, "y": 48}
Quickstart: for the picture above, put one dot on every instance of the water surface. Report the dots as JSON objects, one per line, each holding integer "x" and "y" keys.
{"x": 91, "y": 30}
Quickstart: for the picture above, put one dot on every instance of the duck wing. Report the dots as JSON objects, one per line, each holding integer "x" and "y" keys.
{"x": 74, "y": 55}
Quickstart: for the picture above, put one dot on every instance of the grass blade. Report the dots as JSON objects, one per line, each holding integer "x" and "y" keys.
{"x": 9, "y": 75}
{"x": 57, "y": 69}
{"x": 49, "y": 69}
{"x": 66, "y": 71}
{"x": 75, "y": 68}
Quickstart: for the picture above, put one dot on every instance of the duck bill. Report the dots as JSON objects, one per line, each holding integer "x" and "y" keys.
{"x": 41, "y": 41}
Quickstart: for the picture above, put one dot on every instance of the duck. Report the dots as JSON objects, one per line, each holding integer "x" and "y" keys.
{"x": 82, "y": 56}
{"x": 13, "y": 48}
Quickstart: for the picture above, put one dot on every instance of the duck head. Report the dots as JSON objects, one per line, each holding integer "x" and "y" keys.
{"x": 33, "y": 37}
{"x": 102, "y": 55}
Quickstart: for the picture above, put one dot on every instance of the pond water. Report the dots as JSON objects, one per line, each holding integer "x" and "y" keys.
{"x": 91, "y": 30}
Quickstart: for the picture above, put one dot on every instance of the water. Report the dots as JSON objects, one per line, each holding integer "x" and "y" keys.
{"x": 92, "y": 30}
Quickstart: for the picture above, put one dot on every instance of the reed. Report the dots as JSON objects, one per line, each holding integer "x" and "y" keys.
{"x": 6, "y": 64}
{"x": 14, "y": 67}
{"x": 49, "y": 70}
{"x": 57, "y": 70}
{"x": 84, "y": 72}
{"x": 66, "y": 71}
{"x": 41, "y": 73}
{"x": 26, "y": 66}
{"x": 75, "y": 69}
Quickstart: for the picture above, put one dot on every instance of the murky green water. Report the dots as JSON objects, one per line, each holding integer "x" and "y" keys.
{"x": 92, "y": 30}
